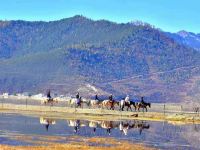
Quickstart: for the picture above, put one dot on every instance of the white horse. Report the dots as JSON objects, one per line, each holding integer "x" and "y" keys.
{"x": 78, "y": 102}
{"x": 50, "y": 101}
{"x": 95, "y": 103}
{"x": 75, "y": 102}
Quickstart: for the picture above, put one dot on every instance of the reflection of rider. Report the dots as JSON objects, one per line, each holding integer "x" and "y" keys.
{"x": 47, "y": 126}
{"x": 76, "y": 126}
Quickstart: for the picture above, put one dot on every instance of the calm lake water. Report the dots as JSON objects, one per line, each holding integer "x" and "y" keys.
{"x": 160, "y": 135}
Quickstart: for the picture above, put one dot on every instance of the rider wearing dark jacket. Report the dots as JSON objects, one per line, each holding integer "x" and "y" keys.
{"x": 77, "y": 95}
{"x": 142, "y": 100}
{"x": 96, "y": 97}
{"x": 49, "y": 94}
{"x": 110, "y": 97}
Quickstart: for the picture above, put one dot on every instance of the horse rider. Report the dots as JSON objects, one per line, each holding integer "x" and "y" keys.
{"x": 79, "y": 101}
{"x": 127, "y": 99}
{"x": 77, "y": 96}
{"x": 110, "y": 97}
{"x": 142, "y": 101}
{"x": 49, "y": 95}
{"x": 96, "y": 97}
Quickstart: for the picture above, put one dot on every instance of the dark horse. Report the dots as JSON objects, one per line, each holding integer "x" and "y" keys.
{"x": 127, "y": 104}
{"x": 143, "y": 105}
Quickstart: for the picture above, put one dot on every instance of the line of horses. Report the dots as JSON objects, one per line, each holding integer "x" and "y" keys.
{"x": 109, "y": 104}
{"x": 104, "y": 104}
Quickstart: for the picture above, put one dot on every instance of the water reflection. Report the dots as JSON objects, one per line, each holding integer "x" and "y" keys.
{"x": 123, "y": 126}
{"x": 162, "y": 135}
{"x": 46, "y": 122}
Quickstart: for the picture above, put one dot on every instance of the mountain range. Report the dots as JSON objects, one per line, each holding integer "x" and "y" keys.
{"x": 99, "y": 57}
{"x": 186, "y": 38}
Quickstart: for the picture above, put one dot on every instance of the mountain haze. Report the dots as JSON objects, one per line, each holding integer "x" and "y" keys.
{"x": 79, "y": 54}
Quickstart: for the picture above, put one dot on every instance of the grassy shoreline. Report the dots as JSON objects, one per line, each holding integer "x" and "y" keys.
{"x": 75, "y": 142}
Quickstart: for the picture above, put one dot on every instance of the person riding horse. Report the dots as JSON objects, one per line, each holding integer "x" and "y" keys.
{"x": 127, "y": 99}
{"x": 49, "y": 95}
{"x": 142, "y": 101}
{"x": 110, "y": 98}
{"x": 96, "y": 97}
{"x": 78, "y": 100}
{"x": 77, "y": 95}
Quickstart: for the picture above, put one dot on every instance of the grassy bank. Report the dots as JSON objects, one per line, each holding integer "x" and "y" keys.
{"x": 99, "y": 114}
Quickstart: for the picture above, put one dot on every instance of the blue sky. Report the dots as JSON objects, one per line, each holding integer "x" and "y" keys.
{"x": 169, "y": 15}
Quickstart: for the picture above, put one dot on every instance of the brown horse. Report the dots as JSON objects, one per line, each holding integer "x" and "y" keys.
{"x": 109, "y": 103}
{"x": 143, "y": 105}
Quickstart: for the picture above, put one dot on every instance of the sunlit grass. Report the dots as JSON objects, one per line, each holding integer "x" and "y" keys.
{"x": 73, "y": 143}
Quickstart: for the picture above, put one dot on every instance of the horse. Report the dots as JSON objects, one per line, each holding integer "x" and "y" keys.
{"x": 143, "y": 105}
{"x": 123, "y": 103}
{"x": 109, "y": 103}
{"x": 85, "y": 101}
{"x": 94, "y": 103}
{"x": 76, "y": 102}
{"x": 49, "y": 101}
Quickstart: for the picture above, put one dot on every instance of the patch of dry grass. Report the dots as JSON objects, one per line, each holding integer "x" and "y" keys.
{"x": 83, "y": 144}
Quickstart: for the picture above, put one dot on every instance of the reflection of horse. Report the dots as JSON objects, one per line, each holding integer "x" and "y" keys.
{"x": 141, "y": 125}
{"x": 123, "y": 104}
{"x": 77, "y": 124}
{"x": 123, "y": 127}
{"x": 108, "y": 125}
{"x": 94, "y": 125}
{"x": 109, "y": 103}
{"x": 143, "y": 105}
{"x": 47, "y": 122}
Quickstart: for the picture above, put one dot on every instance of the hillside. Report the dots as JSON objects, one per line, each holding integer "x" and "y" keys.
{"x": 81, "y": 54}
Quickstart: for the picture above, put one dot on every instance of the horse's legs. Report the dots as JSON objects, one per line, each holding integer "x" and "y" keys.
{"x": 146, "y": 109}
{"x": 130, "y": 108}
{"x": 113, "y": 108}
